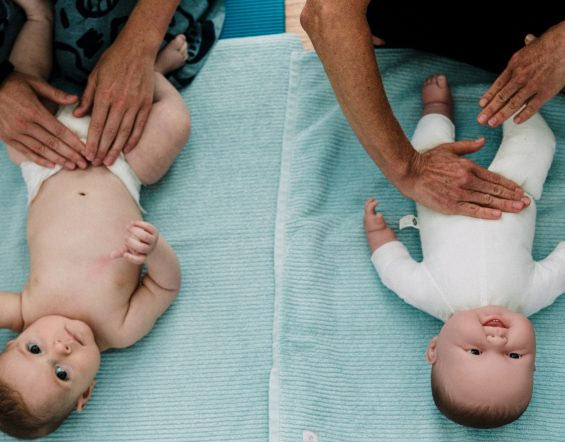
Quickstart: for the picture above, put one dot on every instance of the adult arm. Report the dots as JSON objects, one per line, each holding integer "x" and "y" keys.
{"x": 438, "y": 178}
{"x": 534, "y": 74}
{"x": 120, "y": 88}
{"x": 11, "y": 311}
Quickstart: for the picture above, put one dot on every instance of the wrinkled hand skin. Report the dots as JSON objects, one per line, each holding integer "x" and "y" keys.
{"x": 28, "y": 126}
{"x": 120, "y": 93}
{"x": 534, "y": 74}
{"x": 443, "y": 181}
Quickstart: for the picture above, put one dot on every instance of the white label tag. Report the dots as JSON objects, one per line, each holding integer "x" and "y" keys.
{"x": 309, "y": 436}
{"x": 408, "y": 221}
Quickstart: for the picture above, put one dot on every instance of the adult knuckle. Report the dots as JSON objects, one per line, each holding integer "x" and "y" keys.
{"x": 488, "y": 199}
{"x": 497, "y": 190}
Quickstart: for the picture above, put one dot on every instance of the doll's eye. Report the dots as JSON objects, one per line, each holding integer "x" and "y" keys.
{"x": 514, "y": 355}
{"x": 33, "y": 348}
{"x": 61, "y": 373}
{"x": 474, "y": 351}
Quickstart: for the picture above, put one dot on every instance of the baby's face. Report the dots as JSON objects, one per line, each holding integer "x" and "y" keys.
{"x": 53, "y": 361}
{"x": 486, "y": 356}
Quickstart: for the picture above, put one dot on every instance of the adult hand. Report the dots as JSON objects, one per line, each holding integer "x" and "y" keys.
{"x": 442, "y": 180}
{"x": 120, "y": 93}
{"x": 534, "y": 75}
{"x": 30, "y": 128}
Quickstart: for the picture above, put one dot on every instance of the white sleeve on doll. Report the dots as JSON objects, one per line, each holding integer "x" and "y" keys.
{"x": 409, "y": 279}
{"x": 548, "y": 281}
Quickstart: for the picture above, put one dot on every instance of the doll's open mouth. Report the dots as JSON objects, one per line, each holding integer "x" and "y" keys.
{"x": 495, "y": 322}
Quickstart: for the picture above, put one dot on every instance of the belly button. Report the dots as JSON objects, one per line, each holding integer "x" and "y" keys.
{"x": 82, "y": 193}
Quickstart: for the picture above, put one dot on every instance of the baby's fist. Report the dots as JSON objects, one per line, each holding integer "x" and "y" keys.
{"x": 141, "y": 238}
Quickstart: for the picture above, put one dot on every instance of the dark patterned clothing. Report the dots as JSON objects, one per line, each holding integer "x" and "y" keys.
{"x": 484, "y": 36}
{"x": 84, "y": 29}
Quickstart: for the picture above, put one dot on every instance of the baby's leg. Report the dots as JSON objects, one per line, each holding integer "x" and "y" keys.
{"x": 435, "y": 126}
{"x": 32, "y": 53}
{"x": 168, "y": 125}
{"x": 525, "y": 154}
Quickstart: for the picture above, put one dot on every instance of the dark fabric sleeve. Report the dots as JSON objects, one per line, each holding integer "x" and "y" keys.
{"x": 84, "y": 29}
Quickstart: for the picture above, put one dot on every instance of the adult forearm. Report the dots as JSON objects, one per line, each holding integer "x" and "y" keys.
{"x": 341, "y": 36}
{"x": 148, "y": 24}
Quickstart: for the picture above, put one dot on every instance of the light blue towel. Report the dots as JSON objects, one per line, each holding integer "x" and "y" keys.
{"x": 202, "y": 374}
{"x": 277, "y": 334}
{"x": 349, "y": 359}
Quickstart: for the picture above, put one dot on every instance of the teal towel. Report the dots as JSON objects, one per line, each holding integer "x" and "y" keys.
{"x": 202, "y": 374}
{"x": 282, "y": 326}
{"x": 348, "y": 354}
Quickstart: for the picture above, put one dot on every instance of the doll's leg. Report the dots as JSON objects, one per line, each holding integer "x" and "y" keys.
{"x": 525, "y": 154}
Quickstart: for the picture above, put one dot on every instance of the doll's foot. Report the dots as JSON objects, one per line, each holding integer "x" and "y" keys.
{"x": 172, "y": 56}
{"x": 436, "y": 96}
{"x": 37, "y": 10}
{"x": 378, "y": 233}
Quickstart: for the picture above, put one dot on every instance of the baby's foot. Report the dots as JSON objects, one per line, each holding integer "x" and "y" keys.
{"x": 378, "y": 233}
{"x": 436, "y": 96}
{"x": 37, "y": 9}
{"x": 172, "y": 56}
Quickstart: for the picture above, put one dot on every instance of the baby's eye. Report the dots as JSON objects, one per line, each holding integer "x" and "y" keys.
{"x": 61, "y": 374}
{"x": 474, "y": 351}
{"x": 514, "y": 355}
{"x": 33, "y": 348}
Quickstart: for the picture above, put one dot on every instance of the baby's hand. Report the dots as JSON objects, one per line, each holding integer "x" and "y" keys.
{"x": 140, "y": 241}
{"x": 378, "y": 233}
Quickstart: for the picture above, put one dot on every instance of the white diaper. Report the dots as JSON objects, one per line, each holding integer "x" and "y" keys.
{"x": 34, "y": 175}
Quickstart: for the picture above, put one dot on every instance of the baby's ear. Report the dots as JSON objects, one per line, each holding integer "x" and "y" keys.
{"x": 84, "y": 397}
{"x": 431, "y": 352}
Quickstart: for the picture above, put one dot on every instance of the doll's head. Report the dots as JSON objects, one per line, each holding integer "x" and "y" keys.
{"x": 45, "y": 373}
{"x": 483, "y": 366}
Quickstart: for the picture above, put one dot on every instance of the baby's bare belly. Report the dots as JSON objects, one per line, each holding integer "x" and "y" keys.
{"x": 75, "y": 222}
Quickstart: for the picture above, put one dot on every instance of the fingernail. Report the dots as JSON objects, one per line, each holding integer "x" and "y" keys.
{"x": 479, "y": 139}
{"x": 517, "y": 120}
{"x": 482, "y": 118}
{"x": 492, "y": 122}
{"x": 69, "y": 165}
{"x": 97, "y": 162}
{"x": 108, "y": 161}
{"x": 82, "y": 164}
{"x": 526, "y": 201}
{"x": 517, "y": 204}
{"x": 496, "y": 212}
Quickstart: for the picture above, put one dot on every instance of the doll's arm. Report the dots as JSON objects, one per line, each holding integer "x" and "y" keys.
{"x": 548, "y": 281}
{"x": 409, "y": 279}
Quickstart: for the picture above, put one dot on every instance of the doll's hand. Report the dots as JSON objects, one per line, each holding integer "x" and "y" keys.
{"x": 140, "y": 240}
{"x": 378, "y": 233}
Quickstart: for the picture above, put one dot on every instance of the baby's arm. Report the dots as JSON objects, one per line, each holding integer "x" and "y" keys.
{"x": 407, "y": 278}
{"x": 548, "y": 281}
{"x": 159, "y": 287}
{"x": 11, "y": 311}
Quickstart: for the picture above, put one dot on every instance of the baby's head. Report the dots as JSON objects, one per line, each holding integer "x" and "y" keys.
{"x": 483, "y": 366}
{"x": 45, "y": 373}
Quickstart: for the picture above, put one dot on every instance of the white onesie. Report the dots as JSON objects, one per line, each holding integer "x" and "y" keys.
{"x": 34, "y": 175}
{"x": 469, "y": 262}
